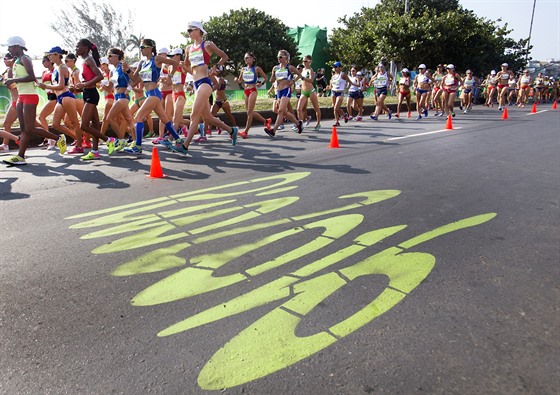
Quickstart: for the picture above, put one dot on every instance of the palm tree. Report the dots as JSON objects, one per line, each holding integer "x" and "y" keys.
{"x": 134, "y": 42}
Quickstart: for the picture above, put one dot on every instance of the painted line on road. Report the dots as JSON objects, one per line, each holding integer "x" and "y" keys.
{"x": 538, "y": 112}
{"x": 422, "y": 134}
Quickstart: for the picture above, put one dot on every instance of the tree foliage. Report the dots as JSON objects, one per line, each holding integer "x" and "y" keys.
{"x": 96, "y": 21}
{"x": 432, "y": 32}
{"x": 250, "y": 30}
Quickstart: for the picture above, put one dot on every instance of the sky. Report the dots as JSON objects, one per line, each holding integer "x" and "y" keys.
{"x": 164, "y": 23}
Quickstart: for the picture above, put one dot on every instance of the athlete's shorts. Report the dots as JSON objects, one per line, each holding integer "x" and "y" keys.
{"x": 177, "y": 95}
{"x": 467, "y": 91}
{"x": 405, "y": 94}
{"x": 63, "y": 95}
{"x": 422, "y": 91}
{"x": 28, "y": 98}
{"x": 154, "y": 92}
{"x": 201, "y": 81}
{"x": 119, "y": 96}
{"x": 91, "y": 96}
{"x": 164, "y": 94}
{"x": 248, "y": 92}
{"x": 307, "y": 93}
{"x": 337, "y": 93}
{"x": 449, "y": 90}
{"x": 381, "y": 91}
{"x": 51, "y": 96}
{"x": 138, "y": 101}
{"x": 109, "y": 96}
{"x": 286, "y": 92}
{"x": 354, "y": 95}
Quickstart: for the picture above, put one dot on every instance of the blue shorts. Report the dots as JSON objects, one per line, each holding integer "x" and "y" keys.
{"x": 337, "y": 93}
{"x": 201, "y": 81}
{"x": 63, "y": 95}
{"x": 422, "y": 91}
{"x": 154, "y": 92}
{"x": 381, "y": 91}
{"x": 467, "y": 90}
{"x": 119, "y": 96}
{"x": 355, "y": 95}
{"x": 287, "y": 92}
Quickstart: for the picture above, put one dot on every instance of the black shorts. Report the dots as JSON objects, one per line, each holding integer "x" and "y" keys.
{"x": 51, "y": 96}
{"x": 91, "y": 96}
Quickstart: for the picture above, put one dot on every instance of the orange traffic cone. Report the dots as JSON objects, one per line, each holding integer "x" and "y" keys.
{"x": 334, "y": 139}
{"x": 449, "y": 124}
{"x": 505, "y": 114}
{"x": 554, "y": 105}
{"x": 155, "y": 168}
{"x": 534, "y": 110}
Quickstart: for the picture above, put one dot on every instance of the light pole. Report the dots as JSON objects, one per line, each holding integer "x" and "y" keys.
{"x": 530, "y": 30}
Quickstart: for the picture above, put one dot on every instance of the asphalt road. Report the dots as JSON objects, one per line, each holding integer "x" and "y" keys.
{"x": 412, "y": 259}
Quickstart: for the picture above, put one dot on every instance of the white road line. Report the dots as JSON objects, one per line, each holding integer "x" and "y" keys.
{"x": 538, "y": 112}
{"x": 422, "y": 134}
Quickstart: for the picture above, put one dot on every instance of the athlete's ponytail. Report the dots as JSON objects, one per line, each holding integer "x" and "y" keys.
{"x": 93, "y": 48}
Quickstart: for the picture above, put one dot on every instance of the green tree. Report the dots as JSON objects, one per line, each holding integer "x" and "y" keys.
{"x": 250, "y": 30}
{"x": 98, "y": 22}
{"x": 432, "y": 32}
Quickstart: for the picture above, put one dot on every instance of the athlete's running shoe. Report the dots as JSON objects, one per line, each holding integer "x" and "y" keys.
{"x": 86, "y": 142}
{"x": 201, "y": 139}
{"x": 268, "y": 123}
{"x": 358, "y": 118}
{"x": 317, "y": 127}
{"x": 436, "y": 114}
{"x": 133, "y": 149}
{"x": 180, "y": 148}
{"x": 15, "y": 160}
{"x": 91, "y": 156}
{"x": 374, "y": 117}
{"x": 300, "y": 127}
{"x": 120, "y": 145}
{"x": 61, "y": 144}
{"x": 281, "y": 127}
{"x": 233, "y": 134}
{"x": 419, "y": 117}
{"x": 166, "y": 143}
{"x": 243, "y": 134}
{"x": 389, "y": 115}
{"x": 111, "y": 145}
{"x": 308, "y": 120}
{"x": 345, "y": 118}
{"x": 76, "y": 150}
{"x": 270, "y": 132}
{"x": 426, "y": 112}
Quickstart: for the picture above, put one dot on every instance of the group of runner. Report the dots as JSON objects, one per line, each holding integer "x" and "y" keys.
{"x": 158, "y": 84}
